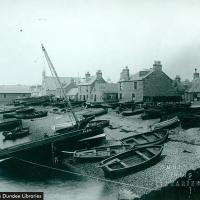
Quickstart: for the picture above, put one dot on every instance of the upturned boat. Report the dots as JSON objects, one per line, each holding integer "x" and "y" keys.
{"x": 36, "y": 114}
{"x": 134, "y": 112}
{"x": 96, "y": 112}
{"x": 131, "y": 161}
{"x": 170, "y": 123}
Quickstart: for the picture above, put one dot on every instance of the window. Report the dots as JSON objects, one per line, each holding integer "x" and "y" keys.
{"x": 135, "y": 85}
{"x": 120, "y": 86}
{"x": 4, "y": 95}
{"x": 133, "y": 96}
{"x": 84, "y": 97}
{"x": 120, "y": 96}
{"x": 95, "y": 97}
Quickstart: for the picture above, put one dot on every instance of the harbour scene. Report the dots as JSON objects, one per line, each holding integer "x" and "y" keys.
{"x": 118, "y": 131}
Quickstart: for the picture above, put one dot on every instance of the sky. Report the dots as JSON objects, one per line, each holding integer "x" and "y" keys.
{"x": 87, "y": 35}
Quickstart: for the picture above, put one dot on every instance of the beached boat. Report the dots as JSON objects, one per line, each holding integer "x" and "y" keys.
{"x": 9, "y": 115}
{"x": 189, "y": 121}
{"x": 151, "y": 114}
{"x": 25, "y": 110}
{"x": 100, "y": 153}
{"x": 134, "y": 112}
{"x": 170, "y": 123}
{"x": 147, "y": 138}
{"x": 62, "y": 128}
{"x": 9, "y": 124}
{"x": 95, "y": 112}
{"x": 16, "y": 133}
{"x": 36, "y": 114}
{"x": 131, "y": 161}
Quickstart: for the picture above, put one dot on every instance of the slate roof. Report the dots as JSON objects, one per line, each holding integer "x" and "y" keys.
{"x": 90, "y": 81}
{"x": 51, "y": 83}
{"x": 141, "y": 75}
{"x": 195, "y": 87}
{"x": 15, "y": 89}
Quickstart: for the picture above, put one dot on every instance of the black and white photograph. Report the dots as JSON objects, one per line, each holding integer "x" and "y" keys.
{"x": 100, "y": 99}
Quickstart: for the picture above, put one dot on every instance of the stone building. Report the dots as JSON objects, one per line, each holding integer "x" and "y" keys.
{"x": 8, "y": 93}
{"x": 146, "y": 85}
{"x": 193, "y": 93}
{"x": 36, "y": 90}
{"x": 67, "y": 86}
{"x": 94, "y": 89}
{"x": 50, "y": 85}
{"x": 179, "y": 86}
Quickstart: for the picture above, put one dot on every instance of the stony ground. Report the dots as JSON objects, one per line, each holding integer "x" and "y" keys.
{"x": 181, "y": 152}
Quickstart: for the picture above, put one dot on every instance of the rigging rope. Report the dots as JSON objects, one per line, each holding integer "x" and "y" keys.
{"x": 83, "y": 175}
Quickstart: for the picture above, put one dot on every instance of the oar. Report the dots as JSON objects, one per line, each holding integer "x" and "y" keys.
{"x": 68, "y": 152}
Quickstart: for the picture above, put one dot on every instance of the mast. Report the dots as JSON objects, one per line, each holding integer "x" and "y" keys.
{"x": 52, "y": 69}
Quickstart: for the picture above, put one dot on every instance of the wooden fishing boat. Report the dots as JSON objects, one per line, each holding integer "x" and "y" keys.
{"x": 170, "y": 123}
{"x": 36, "y": 114}
{"x": 99, "y": 123}
{"x": 152, "y": 114}
{"x": 147, "y": 138}
{"x": 25, "y": 110}
{"x": 189, "y": 121}
{"x": 16, "y": 133}
{"x": 99, "y": 153}
{"x": 131, "y": 161}
{"x": 96, "y": 112}
{"x": 9, "y": 115}
{"x": 134, "y": 112}
{"x": 9, "y": 124}
{"x": 62, "y": 128}
{"x": 77, "y": 133}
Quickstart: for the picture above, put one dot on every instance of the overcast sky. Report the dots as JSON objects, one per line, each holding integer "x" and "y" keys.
{"x": 87, "y": 35}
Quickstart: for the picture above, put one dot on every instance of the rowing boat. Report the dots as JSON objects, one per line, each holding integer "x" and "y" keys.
{"x": 96, "y": 112}
{"x": 134, "y": 112}
{"x": 147, "y": 138}
{"x": 170, "y": 123}
{"x": 16, "y": 133}
{"x": 100, "y": 153}
{"x": 131, "y": 161}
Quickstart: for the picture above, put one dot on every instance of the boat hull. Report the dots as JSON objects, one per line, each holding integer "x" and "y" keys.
{"x": 127, "y": 169}
{"x": 147, "y": 138}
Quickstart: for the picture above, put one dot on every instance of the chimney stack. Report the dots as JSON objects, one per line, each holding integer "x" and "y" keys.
{"x": 178, "y": 79}
{"x": 157, "y": 66}
{"x": 87, "y": 76}
{"x": 99, "y": 74}
{"x": 196, "y": 74}
{"x": 124, "y": 75}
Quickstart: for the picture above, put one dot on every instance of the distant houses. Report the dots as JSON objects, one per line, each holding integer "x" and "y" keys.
{"x": 94, "y": 89}
{"x": 8, "y": 93}
{"x": 147, "y": 85}
{"x": 193, "y": 92}
{"x": 50, "y": 85}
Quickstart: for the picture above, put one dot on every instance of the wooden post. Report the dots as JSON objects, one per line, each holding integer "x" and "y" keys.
{"x": 52, "y": 154}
